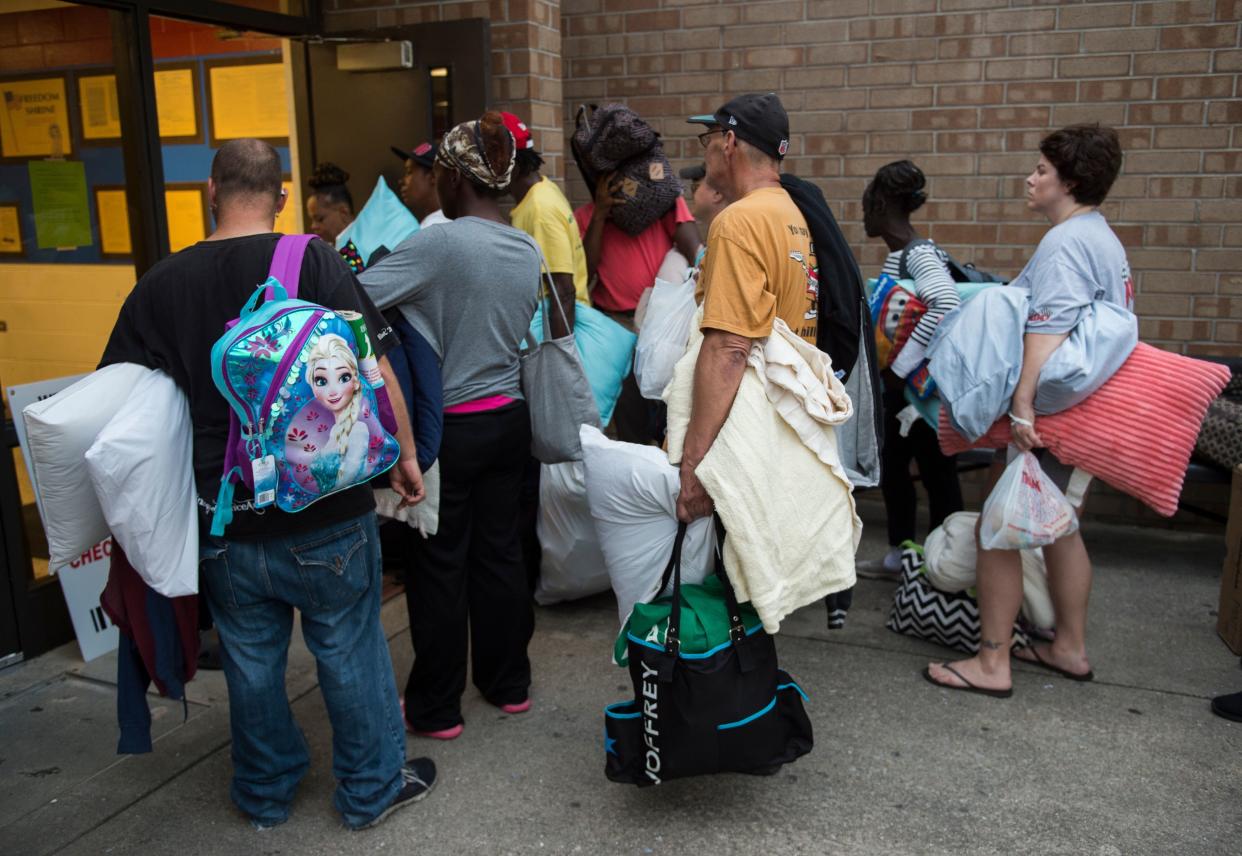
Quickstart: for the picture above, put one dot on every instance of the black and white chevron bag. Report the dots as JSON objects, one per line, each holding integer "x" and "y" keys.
{"x": 922, "y": 610}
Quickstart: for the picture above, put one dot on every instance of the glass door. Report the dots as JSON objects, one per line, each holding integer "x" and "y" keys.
{"x": 66, "y": 260}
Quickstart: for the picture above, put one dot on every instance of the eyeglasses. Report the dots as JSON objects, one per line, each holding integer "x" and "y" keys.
{"x": 706, "y": 137}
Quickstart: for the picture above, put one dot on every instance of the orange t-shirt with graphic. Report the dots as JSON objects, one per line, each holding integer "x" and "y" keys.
{"x": 760, "y": 266}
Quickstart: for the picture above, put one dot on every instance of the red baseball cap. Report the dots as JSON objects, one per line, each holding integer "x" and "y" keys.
{"x": 521, "y": 134}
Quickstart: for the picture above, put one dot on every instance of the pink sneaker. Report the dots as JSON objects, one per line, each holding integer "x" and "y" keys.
{"x": 520, "y": 707}
{"x": 443, "y": 734}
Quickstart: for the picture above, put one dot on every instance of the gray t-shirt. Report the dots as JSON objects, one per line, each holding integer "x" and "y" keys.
{"x": 1077, "y": 262}
{"x": 470, "y": 287}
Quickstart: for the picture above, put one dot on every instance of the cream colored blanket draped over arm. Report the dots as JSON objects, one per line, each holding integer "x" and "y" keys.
{"x": 776, "y": 476}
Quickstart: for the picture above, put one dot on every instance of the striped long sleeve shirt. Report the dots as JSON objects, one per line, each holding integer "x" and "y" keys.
{"x": 925, "y": 265}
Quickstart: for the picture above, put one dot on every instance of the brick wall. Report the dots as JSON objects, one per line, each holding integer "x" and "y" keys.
{"x": 966, "y": 88}
{"x": 81, "y": 35}
{"x": 526, "y": 53}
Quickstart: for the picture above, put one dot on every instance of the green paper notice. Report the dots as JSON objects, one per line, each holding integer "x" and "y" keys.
{"x": 61, "y": 210}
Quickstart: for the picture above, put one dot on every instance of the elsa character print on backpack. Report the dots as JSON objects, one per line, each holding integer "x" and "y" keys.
{"x": 334, "y": 439}
{"x": 306, "y": 421}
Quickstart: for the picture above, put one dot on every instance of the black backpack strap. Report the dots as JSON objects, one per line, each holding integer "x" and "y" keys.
{"x": 903, "y": 269}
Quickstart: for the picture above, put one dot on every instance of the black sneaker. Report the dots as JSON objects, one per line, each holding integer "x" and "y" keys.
{"x": 418, "y": 777}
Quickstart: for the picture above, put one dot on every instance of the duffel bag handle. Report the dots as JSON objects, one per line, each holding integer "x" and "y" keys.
{"x": 672, "y": 636}
{"x": 737, "y": 627}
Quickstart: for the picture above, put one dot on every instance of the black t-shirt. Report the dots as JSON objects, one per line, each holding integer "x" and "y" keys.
{"x": 176, "y": 313}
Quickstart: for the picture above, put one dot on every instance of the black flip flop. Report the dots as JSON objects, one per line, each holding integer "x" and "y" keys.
{"x": 968, "y": 688}
{"x": 1052, "y": 667}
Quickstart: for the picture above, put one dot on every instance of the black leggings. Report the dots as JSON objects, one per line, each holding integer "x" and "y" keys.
{"x": 937, "y": 471}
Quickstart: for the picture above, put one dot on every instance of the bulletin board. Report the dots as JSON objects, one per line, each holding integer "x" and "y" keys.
{"x": 84, "y": 219}
{"x": 247, "y": 100}
{"x": 34, "y": 118}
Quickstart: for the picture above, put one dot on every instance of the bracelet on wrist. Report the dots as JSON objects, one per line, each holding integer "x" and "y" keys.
{"x": 1018, "y": 420}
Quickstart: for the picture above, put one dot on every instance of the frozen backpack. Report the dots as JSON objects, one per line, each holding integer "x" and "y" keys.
{"x": 301, "y": 381}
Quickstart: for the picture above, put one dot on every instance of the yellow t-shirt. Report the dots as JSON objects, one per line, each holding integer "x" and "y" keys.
{"x": 545, "y": 215}
{"x": 760, "y": 266}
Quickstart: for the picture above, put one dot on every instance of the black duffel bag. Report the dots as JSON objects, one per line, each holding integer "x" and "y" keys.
{"x": 727, "y": 710}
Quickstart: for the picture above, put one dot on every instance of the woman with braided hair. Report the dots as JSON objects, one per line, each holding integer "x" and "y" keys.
{"x": 470, "y": 287}
{"x": 330, "y": 206}
{"x": 891, "y": 197}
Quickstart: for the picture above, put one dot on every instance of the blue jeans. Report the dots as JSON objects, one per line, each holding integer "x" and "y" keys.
{"x": 331, "y": 576}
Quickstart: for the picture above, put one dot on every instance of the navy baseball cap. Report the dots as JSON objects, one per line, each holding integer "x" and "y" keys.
{"x": 760, "y": 120}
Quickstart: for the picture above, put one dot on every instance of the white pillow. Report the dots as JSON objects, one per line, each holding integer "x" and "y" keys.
{"x": 632, "y": 493}
{"x": 59, "y": 430}
{"x": 949, "y": 556}
{"x": 142, "y": 470}
{"x": 571, "y": 565}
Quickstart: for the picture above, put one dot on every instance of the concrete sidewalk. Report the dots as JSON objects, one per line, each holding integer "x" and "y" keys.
{"x": 1133, "y": 763}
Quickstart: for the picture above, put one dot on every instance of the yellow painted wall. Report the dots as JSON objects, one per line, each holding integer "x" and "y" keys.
{"x": 57, "y": 318}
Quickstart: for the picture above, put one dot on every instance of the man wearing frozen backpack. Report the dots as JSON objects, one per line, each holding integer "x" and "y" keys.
{"x": 759, "y": 267}
{"x": 323, "y": 561}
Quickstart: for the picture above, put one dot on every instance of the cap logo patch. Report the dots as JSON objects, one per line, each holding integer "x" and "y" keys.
{"x": 422, "y": 149}
{"x": 732, "y": 120}
{"x": 783, "y": 147}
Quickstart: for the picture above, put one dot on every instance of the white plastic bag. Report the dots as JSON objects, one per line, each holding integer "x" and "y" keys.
{"x": 142, "y": 469}
{"x": 572, "y": 565}
{"x": 59, "y": 430}
{"x": 1025, "y": 509}
{"x": 632, "y": 491}
{"x": 662, "y": 338}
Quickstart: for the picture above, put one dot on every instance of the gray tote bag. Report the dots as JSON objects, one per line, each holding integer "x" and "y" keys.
{"x": 557, "y": 392}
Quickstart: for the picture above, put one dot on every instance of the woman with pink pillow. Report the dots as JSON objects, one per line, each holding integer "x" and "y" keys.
{"x": 1079, "y": 261}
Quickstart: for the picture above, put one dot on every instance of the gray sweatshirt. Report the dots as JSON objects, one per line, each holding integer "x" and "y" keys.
{"x": 470, "y": 287}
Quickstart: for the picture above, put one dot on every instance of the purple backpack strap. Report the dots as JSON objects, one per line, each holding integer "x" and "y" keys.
{"x": 287, "y": 262}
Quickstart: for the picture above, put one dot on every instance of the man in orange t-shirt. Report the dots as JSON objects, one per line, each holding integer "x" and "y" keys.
{"x": 760, "y": 266}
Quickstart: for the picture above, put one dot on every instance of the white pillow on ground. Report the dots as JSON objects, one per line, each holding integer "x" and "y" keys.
{"x": 571, "y": 566}
{"x": 632, "y": 493}
{"x": 950, "y": 554}
{"x": 142, "y": 469}
{"x": 59, "y": 430}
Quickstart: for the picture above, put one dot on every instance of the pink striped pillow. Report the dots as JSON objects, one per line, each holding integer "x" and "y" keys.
{"x": 1135, "y": 433}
